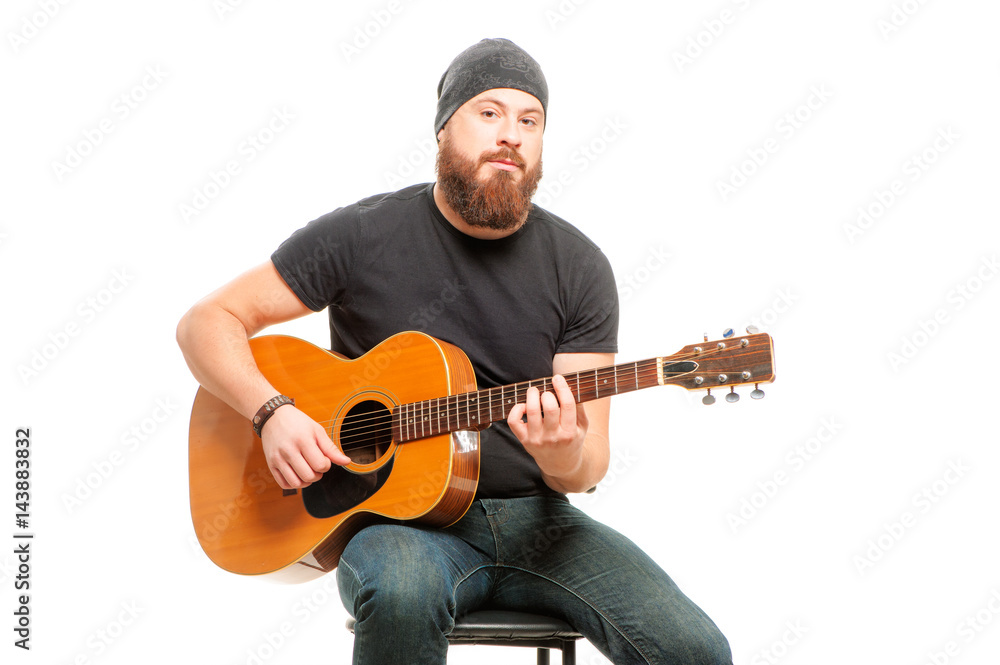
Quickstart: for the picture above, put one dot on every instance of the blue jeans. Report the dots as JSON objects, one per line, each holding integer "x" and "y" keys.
{"x": 405, "y": 584}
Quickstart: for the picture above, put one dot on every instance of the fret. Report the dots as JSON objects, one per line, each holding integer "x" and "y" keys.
{"x": 597, "y": 387}
{"x": 438, "y": 416}
{"x": 495, "y": 414}
{"x": 616, "y": 379}
{"x": 635, "y": 370}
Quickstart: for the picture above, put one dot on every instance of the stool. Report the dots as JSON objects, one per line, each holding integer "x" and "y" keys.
{"x": 515, "y": 629}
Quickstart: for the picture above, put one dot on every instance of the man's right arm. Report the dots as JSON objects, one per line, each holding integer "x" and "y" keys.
{"x": 214, "y": 334}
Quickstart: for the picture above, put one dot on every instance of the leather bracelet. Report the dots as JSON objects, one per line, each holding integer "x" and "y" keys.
{"x": 266, "y": 411}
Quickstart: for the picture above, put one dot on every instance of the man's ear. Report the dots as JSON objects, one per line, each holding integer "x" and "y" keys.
{"x": 440, "y": 134}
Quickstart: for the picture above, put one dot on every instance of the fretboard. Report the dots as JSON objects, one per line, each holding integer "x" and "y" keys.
{"x": 476, "y": 410}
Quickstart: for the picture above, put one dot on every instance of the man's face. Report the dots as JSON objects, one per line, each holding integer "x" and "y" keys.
{"x": 490, "y": 158}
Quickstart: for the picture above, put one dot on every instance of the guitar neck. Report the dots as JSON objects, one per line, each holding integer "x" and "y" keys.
{"x": 478, "y": 409}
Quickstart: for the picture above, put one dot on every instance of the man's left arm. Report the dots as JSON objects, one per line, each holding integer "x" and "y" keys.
{"x": 568, "y": 441}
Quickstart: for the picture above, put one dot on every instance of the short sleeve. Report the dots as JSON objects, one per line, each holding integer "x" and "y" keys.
{"x": 317, "y": 260}
{"x": 593, "y": 324}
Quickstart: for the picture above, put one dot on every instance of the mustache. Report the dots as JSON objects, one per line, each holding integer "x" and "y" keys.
{"x": 504, "y": 153}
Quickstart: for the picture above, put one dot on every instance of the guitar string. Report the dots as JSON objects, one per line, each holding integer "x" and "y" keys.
{"x": 375, "y": 425}
{"x": 520, "y": 389}
{"x": 378, "y": 427}
{"x": 369, "y": 423}
{"x": 649, "y": 369}
{"x": 379, "y": 430}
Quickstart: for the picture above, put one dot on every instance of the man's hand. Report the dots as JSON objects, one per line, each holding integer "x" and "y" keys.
{"x": 297, "y": 448}
{"x": 552, "y": 429}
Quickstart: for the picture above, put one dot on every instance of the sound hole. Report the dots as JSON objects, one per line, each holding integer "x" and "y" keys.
{"x": 366, "y": 432}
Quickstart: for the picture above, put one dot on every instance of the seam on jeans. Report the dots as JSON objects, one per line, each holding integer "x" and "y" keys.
{"x": 357, "y": 576}
{"x": 356, "y": 645}
{"x": 611, "y": 623}
{"x": 497, "y": 538}
{"x": 343, "y": 562}
{"x": 454, "y": 589}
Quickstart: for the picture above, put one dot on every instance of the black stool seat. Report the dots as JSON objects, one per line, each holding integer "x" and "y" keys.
{"x": 504, "y": 628}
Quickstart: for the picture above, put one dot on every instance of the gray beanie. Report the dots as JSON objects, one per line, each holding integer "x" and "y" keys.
{"x": 492, "y": 63}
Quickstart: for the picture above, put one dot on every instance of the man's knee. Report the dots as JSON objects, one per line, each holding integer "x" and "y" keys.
{"x": 390, "y": 566}
{"x": 708, "y": 649}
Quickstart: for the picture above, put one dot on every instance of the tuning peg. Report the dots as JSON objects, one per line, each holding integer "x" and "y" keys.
{"x": 752, "y": 330}
{"x": 757, "y": 392}
{"x": 708, "y": 399}
{"x": 727, "y": 333}
{"x": 733, "y": 396}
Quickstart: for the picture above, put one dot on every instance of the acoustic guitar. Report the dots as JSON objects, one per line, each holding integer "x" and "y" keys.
{"x": 408, "y": 414}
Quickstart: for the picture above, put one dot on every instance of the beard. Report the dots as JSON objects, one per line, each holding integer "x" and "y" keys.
{"x": 499, "y": 202}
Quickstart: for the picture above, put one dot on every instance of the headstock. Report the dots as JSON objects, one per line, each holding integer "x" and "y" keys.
{"x": 723, "y": 363}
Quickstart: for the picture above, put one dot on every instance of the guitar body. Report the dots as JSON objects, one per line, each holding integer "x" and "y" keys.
{"x": 408, "y": 414}
{"x": 248, "y": 525}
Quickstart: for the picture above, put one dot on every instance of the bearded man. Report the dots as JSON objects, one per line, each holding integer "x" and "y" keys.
{"x": 471, "y": 261}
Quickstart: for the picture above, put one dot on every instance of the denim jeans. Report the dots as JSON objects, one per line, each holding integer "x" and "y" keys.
{"x": 405, "y": 584}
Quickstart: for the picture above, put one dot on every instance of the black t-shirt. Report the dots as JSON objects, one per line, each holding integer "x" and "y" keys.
{"x": 392, "y": 263}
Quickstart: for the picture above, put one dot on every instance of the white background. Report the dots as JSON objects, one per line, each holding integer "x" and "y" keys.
{"x": 859, "y": 541}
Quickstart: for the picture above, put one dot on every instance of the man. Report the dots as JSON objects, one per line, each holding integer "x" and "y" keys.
{"x": 526, "y": 296}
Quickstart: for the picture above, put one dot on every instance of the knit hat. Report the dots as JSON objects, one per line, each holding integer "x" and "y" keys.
{"x": 492, "y": 63}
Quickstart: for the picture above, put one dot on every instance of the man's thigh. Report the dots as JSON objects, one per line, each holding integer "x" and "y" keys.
{"x": 557, "y": 560}
{"x": 408, "y": 565}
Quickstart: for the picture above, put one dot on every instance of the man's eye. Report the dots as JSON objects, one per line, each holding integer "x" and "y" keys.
{"x": 489, "y": 114}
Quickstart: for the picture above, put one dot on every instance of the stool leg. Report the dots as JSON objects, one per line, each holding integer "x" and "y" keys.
{"x": 569, "y": 652}
{"x": 543, "y": 656}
